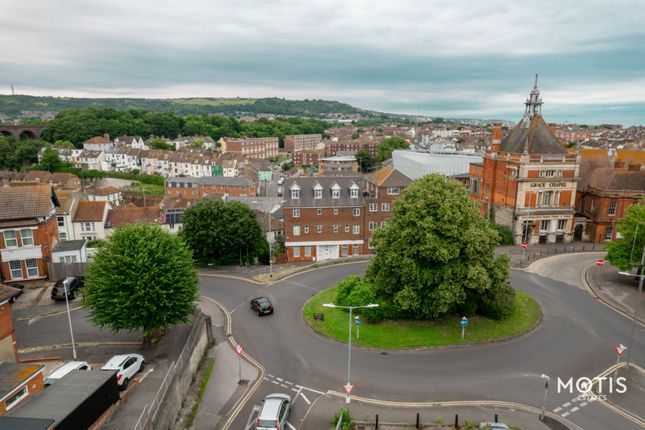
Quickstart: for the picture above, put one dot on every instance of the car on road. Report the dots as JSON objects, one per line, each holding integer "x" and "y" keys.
{"x": 280, "y": 191}
{"x": 281, "y": 180}
{"x": 65, "y": 369}
{"x": 493, "y": 426}
{"x": 126, "y": 367}
{"x": 72, "y": 284}
{"x": 261, "y": 306}
{"x": 274, "y": 412}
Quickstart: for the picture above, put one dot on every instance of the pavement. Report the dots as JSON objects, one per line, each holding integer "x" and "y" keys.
{"x": 224, "y": 391}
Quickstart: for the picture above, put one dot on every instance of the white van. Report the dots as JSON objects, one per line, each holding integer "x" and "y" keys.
{"x": 65, "y": 369}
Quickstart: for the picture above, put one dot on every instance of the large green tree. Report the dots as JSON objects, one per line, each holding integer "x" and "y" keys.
{"x": 435, "y": 256}
{"x": 18, "y": 154}
{"x": 223, "y": 232}
{"x": 50, "y": 160}
{"x": 364, "y": 159}
{"x": 627, "y": 251}
{"x": 143, "y": 278}
{"x": 388, "y": 145}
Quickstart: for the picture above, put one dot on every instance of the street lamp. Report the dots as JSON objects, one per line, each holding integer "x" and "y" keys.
{"x": 349, "y": 347}
{"x": 546, "y": 390}
{"x": 69, "y": 319}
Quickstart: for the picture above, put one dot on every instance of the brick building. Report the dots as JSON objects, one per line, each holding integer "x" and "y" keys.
{"x": 307, "y": 157}
{"x": 383, "y": 187}
{"x": 337, "y": 164}
{"x": 8, "y": 350}
{"x": 19, "y": 382}
{"x": 301, "y": 142}
{"x": 251, "y": 147}
{"x": 527, "y": 182}
{"x": 197, "y": 188}
{"x": 353, "y": 146}
{"x": 28, "y": 231}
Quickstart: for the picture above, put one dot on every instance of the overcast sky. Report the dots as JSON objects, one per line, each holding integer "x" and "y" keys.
{"x": 457, "y": 58}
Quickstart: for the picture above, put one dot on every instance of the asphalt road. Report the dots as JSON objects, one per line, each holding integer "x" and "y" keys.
{"x": 575, "y": 339}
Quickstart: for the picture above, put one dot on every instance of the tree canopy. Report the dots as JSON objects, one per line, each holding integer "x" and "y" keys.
{"x": 388, "y": 145}
{"x": 364, "y": 159}
{"x": 142, "y": 277}
{"x": 627, "y": 251}
{"x": 223, "y": 232}
{"x": 435, "y": 256}
{"x": 16, "y": 154}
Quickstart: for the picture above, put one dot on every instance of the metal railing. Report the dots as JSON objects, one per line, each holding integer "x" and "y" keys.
{"x": 151, "y": 409}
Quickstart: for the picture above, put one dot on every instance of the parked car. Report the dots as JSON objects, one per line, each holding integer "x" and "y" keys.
{"x": 21, "y": 288}
{"x": 281, "y": 180}
{"x": 274, "y": 412}
{"x": 65, "y": 369}
{"x": 72, "y": 284}
{"x": 279, "y": 191}
{"x": 493, "y": 426}
{"x": 261, "y": 306}
{"x": 126, "y": 366}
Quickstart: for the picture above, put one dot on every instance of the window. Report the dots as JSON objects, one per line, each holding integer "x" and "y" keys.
{"x": 306, "y": 229}
{"x": 353, "y": 193}
{"x": 335, "y": 211}
{"x": 295, "y": 194}
{"x": 88, "y": 226}
{"x": 354, "y": 249}
{"x": 307, "y": 251}
{"x": 32, "y": 268}
{"x": 550, "y": 173}
{"x": 372, "y": 226}
{"x": 61, "y": 221}
{"x": 16, "y": 269}
{"x": 344, "y": 250}
{"x": 335, "y": 228}
{"x": 544, "y": 225}
{"x": 10, "y": 238}
{"x": 385, "y": 207}
{"x": 317, "y": 194}
{"x": 18, "y": 396}
{"x": 296, "y": 251}
{"x": 27, "y": 237}
{"x": 318, "y": 228}
{"x": 296, "y": 230}
{"x": 356, "y": 229}
{"x": 373, "y": 207}
{"x": 295, "y": 213}
{"x": 393, "y": 191}
{"x": 562, "y": 223}
{"x": 319, "y": 211}
{"x": 346, "y": 228}
{"x": 62, "y": 236}
{"x": 612, "y": 207}
{"x": 335, "y": 193}
{"x": 69, "y": 259}
{"x": 475, "y": 186}
{"x": 174, "y": 216}
{"x": 357, "y": 211}
{"x": 609, "y": 232}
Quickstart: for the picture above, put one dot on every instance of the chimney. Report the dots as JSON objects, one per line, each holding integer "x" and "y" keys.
{"x": 496, "y": 138}
{"x": 619, "y": 164}
{"x": 634, "y": 167}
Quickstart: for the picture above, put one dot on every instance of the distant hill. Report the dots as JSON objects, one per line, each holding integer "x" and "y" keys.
{"x": 15, "y": 106}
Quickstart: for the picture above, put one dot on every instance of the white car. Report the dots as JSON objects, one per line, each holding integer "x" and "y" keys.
{"x": 126, "y": 366}
{"x": 63, "y": 370}
{"x": 281, "y": 181}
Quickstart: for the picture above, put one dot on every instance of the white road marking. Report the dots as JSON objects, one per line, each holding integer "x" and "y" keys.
{"x": 270, "y": 375}
{"x": 293, "y": 389}
{"x": 564, "y": 415}
{"x": 275, "y": 382}
{"x": 290, "y": 426}
{"x": 232, "y": 311}
{"x": 575, "y": 409}
{"x": 583, "y": 404}
{"x": 558, "y": 409}
{"x": 305, "y": 398}
{"x": 287, "y": 382}
{"x": 146, "y": 374}
{"x": 566, "y": 405}
{"x": 279, "y": 379}
{"x": 284, "y": 386}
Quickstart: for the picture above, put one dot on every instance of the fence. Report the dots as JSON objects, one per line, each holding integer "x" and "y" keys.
{"x": 64, "y": 270}
{"x": 535, "y": 252}
{"x": 177, "y": 371}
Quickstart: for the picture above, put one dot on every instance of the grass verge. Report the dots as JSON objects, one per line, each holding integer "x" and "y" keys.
{"x": 210, "y": 363}
{"x": 419, "y": 334}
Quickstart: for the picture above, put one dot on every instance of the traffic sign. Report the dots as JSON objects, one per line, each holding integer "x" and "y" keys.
{"x": 524, "y": 245}
{"x": 348, "y": 388}
{"x": 464, "y": 321}
{"x": 600, "y": 262}
{"x": 239, "y": 350}
{"x": 358, "y": 320}
{"x": 620, "y": 348}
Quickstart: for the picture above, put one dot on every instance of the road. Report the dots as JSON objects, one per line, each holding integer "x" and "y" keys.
{"x": 575, "y": 339}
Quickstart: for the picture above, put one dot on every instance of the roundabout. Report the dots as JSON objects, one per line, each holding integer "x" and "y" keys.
{"x": 574, "y": 339}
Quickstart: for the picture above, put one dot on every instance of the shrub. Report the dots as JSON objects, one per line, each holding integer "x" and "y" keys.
{"x": 347, "y": 420}
{"x": 505, "y": 235}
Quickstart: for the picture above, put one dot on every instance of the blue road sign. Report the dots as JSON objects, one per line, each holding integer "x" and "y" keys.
{"x": 464, "y": 321}
{"x": 358, "y": 321}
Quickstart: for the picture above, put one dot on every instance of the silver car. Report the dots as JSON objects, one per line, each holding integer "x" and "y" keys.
{"x": 274, "y": 413}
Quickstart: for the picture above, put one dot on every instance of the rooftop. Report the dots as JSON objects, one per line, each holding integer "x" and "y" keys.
{"x": 14, "y": 374}
{"x": 69, "y": 245}
{"x": 88, "y": 211}
{"x": 27, "y": 201}
{"x": 537, "y": 138}
{"x": 131, "y": 215}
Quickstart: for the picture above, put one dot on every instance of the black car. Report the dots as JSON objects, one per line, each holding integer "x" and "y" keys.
{"x": 21, "y": 288}
{"x": 72, "y": 284}
{"x": 261, "y": 306}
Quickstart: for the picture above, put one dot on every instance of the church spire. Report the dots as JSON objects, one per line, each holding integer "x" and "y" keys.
{"x": 533, "y": 105}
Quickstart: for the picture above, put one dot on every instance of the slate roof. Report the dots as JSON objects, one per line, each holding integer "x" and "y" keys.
{"x": 88, "y": 211}
{"x": 62, "y": 177}
{"x": 69, "y": 245}
{"x": 389, "y": 177}
{"x": 26, "y": 201}
{"x": 37, "y": 176}
{"x": 131, "y": 215}
{"x": 212, "y": 180}
{"x": 307, "y": 184}
{"x": 610, "y": 179}
{"x": 537, "y": 136}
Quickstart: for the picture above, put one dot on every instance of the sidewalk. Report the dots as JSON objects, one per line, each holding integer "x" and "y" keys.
{"x": 618, "y": 291}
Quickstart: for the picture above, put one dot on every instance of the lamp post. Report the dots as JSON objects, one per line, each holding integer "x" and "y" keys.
{"x": 69, "y": 319}
{"x": 546, "y": 391}
{"x": 349, "y": 343}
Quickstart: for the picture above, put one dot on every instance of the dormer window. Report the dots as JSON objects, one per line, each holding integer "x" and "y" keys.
{"x": 295, "y": 194}
{"x": 353, "y": 191}
{"x": 318, "y": 189}
{"x": 335, "y": 191}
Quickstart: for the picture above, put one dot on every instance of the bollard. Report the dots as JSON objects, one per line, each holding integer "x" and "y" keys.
{"x": 496, "y": 418}
{"x": 376, "y": 424}
{"x": 418, "y": 421}
{"x": 456, "y": 421}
